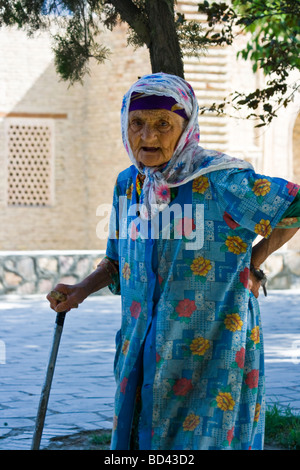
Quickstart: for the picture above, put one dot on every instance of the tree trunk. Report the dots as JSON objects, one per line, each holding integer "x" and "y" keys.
{"x": 164, "y": 48}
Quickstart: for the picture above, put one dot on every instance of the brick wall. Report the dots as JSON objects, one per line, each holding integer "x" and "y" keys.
{"x": 88, "y": 150}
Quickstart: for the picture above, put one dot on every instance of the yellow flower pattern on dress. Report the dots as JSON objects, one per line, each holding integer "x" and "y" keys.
{"x": 263, "y": 228}
{"x": 199, "y": 346}
{"x": 201, "y": 266}
{"x": 125, "y": 347}
{"x": 225, "y": 401}
{"x": 287, "y": 221}
{"x": 233, "y": 322}
{"x": 255, "y": 335}
{"x": 126, "y": 271}
{"x": 257, "y": 412}
{"x": 200, "y": 184}
{"x": 129, "y": 191}
{"x": 261, "y": 187}
{"x": 191, "y": 422}
{"x": 236, "y": 245}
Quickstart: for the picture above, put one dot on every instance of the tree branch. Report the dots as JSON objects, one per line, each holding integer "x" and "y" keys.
{"x": 133, "y": 15}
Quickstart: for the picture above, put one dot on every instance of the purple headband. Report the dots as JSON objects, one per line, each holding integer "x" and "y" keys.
{"x": 141, "y": 101}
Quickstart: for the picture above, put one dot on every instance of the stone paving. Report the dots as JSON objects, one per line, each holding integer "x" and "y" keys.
{"x": 83, "y": 386}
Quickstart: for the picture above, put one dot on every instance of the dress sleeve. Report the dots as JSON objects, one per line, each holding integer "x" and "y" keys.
{"x": 291, "y": 217}
{"x": 253, "y": 201}
{"x": 112, "y": 247}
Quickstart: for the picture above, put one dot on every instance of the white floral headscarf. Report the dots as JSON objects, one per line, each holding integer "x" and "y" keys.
{"x": 189, "y": 160}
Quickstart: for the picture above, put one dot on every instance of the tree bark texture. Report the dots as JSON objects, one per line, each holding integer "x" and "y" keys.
{"x": 157, "y": 30}
{"x": 164, "y": 48}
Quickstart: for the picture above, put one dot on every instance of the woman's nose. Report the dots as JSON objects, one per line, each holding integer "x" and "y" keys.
{"x": 148, "y": 132}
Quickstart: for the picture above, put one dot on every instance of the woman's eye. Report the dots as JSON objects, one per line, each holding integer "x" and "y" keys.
{"x": 164, "y": 124}
{"x": 136, "y": 123}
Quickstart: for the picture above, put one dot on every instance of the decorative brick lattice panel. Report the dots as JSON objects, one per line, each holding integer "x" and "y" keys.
{"x": 29, "y": 162}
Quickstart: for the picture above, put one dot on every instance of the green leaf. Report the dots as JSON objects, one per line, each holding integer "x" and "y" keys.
{"x": 222, "y": 236}
{"x": 184, "y": 319}
{"x": 173, "y": 315}
{"x": 260, "y": 199}
{"x": 197, "y": 358}
{"x": 223, "y": 248}
{"x": 188, "y": 273}
{"x": 198, "y": 197}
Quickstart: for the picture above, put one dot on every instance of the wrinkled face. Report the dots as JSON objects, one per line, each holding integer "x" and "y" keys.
{"x": 153, "y": 135}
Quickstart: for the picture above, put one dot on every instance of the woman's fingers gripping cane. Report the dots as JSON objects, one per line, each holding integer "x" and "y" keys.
{"x": 63, "y": 298}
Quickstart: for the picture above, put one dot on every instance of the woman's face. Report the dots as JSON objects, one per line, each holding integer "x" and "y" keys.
{"x": 153, "y": 135}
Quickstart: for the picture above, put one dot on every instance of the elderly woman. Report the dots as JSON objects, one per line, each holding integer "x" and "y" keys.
{"x": 189, "y": 355}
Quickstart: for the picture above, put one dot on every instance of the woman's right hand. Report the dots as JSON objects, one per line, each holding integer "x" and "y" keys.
{"x": 75, "y": 295}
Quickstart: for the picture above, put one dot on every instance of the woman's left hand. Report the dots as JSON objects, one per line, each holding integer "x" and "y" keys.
{"x": 254, "y": 285}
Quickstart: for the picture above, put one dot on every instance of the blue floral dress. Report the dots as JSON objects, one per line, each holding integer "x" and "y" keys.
{"x": 189, "y": 360}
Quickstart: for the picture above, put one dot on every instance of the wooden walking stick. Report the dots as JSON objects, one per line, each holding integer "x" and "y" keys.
{"x": 42, "y": 409}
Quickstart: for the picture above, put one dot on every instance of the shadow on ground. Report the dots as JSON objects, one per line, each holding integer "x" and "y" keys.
{"x": 98, "y": 440}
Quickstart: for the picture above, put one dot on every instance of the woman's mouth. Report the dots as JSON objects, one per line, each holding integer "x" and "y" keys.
{"x": 150, "y": 149}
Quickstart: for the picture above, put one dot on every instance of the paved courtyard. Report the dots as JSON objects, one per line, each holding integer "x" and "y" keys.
{"x": 83, "y": 386}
